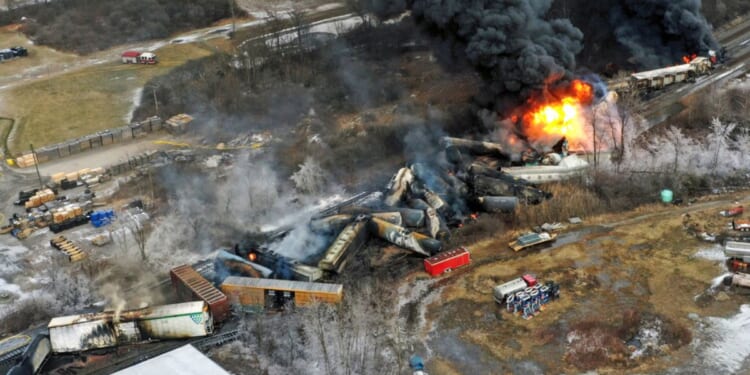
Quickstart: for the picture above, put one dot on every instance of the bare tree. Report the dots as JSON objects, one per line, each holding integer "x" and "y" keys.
{"x": 627, "y": 104}
{"x": 138, "y": 231}
{"x": 360, "y": 8}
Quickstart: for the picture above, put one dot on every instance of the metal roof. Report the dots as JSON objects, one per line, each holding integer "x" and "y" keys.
{"x": 275, "y": 284}
{"x": 185, "y": 360}
{"x": 131, "y": 54}
{"x": 127, "y": 315}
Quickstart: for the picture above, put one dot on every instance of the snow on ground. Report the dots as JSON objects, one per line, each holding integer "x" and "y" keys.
{"x": 713, "y": 253}
{"x": 135, "y": 103}
{"x": 332, "y": 26}
{"x": 724, "y": 342}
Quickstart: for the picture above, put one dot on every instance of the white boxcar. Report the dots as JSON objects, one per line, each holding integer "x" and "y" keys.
{"x": 102, "y": 330}
{"x": 502, "y": 291}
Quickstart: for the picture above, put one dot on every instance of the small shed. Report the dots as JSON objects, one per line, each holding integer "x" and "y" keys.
{"x": 130, "y": 57}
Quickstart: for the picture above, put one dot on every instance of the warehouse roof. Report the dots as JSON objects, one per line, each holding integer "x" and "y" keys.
{"x": 186, "y": 360}
{"x": 275, "y": 284}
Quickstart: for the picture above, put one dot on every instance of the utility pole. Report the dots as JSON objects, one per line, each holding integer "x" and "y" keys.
{"x": 36, "y": 165}
{"x": 234, "y": 18}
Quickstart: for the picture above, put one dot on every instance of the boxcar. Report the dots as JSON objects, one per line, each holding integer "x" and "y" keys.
{"x": 272, "y": 293}
{"x": 447, "y": 261}
{"x": 191, "y": 285}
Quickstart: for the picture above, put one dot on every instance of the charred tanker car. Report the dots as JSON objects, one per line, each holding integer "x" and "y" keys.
{"x": 78, "y": 333}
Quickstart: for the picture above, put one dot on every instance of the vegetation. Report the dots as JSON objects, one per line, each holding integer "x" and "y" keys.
{"x": 85, "y": 101}
{"x": 85, "y": 26}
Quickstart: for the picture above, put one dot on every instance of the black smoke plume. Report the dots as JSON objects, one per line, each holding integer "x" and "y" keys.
{"x": 510, "y": 43}
{"x": 659, "y": 32}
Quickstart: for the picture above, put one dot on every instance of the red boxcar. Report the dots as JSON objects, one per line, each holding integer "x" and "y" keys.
{"x": 191, "y": 286}
{"x": 447, "y": 261}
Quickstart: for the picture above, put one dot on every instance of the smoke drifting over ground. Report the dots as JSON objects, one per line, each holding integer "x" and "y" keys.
{"x": 510, "y": 43}
{"x": 659, "y": 33}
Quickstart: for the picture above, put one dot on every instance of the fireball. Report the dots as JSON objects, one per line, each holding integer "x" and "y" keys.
{"x": 560, "y": 114}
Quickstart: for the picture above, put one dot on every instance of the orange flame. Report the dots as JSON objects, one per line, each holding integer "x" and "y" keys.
{"x": 252, "y": 257}
{"x": 687, "y": 59}
{"x": 561, "y": 115}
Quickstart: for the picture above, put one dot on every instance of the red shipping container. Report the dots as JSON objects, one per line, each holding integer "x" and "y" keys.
{"x": 530, "y": 280}
{"x": 447, "y": 261}
{"x": 192, "y": 286}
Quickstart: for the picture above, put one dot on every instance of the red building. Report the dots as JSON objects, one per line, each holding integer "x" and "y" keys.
{"x": 447, "y": 261}
{"x": 130, "y": 57}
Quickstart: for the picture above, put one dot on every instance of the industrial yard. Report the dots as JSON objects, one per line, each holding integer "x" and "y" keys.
{"x": 373, "y": 187}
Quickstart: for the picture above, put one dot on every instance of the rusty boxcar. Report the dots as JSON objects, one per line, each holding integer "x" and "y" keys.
{"x": 191, "y": 286}
{"x": 77, "y": 333}
{"x": 273, "y": 293}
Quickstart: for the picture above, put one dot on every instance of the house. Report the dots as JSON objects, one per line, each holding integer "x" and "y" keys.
{"x": 130, "y": 57}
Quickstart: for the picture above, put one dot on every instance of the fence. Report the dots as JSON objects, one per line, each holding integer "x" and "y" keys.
{"x": 91, "y": 141}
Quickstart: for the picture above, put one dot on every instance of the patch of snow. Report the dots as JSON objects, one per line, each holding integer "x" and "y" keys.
{"x": 726, "y": 343}
{"x": 330, "y": 6}
{"x": 135, "y": 102}
{"x": 713, "y": 253}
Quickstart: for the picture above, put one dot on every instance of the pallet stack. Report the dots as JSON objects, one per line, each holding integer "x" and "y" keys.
{"x": 70, "y": 249}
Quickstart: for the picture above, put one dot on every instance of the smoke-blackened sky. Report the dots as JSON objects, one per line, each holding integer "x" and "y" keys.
{"x": 508, "y": 42}
{"x": 659, "y": 32}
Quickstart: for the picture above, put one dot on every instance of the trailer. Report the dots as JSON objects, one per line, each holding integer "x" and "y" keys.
{"x": 502, "y": 291}
{"x": 737, "y": 250}
{"x": 447, "y": 261}
{"x": 78, "y": 333}
{"x": 277, "y": 294}
{"x": 528, "y": 240}
{"x": 190, "y": 286}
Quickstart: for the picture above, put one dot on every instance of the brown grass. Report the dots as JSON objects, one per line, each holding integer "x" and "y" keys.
{"x": 568, "y": 200}
{"x": 87, "y": 100}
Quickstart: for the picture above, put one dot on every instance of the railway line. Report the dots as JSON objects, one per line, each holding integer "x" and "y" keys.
{"x": 668, "y": 101}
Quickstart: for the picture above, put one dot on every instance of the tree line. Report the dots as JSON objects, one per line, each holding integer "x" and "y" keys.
{"x": 85, "y": 26}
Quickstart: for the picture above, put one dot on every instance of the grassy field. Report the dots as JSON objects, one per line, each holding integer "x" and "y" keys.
{"x": 85, "y": 101}
{"x": 39, "y": 56}
{"x": 646, "y": 266}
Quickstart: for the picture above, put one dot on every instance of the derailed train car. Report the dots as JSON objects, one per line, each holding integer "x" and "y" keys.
{"x": 34, "y": 357}
{"x": 351, "y": 238}
{"x": 77, "y": 333}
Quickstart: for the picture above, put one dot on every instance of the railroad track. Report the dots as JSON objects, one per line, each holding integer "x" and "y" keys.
{"x": 10, "y": 357}
{"x": 220, "y": 339}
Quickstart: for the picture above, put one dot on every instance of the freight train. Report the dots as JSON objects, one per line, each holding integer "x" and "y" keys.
{"x": 277, "y": 294}
{"x": 659, "y": 78}
{"x": 189, "y": 285}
